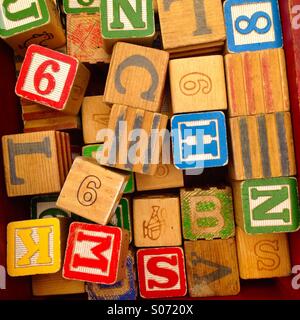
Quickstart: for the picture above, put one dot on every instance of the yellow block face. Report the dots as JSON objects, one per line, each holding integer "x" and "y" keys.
{"x": 33, "y": 247}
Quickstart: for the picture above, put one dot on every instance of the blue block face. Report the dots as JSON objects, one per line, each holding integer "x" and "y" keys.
{"x": 199, "y": 140}
{"x": 252, "y": 25}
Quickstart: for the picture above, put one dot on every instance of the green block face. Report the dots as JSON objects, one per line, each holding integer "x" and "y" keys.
{"x": 127, "y": 19}
{"x": 270, "y": 205}
{"x": 91, "y": 150}
{"x": 45, "y": 207}
{"x": 207, "y": 213}
{"x": 17, "y": 16}
{"x": 79, "y": 6}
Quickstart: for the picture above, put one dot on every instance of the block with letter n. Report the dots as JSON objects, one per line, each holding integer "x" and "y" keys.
{"x": 267, "y": 205}
{"x": 252, "y": 25}
{"x": 81, "y": 6}
{"x": 23, "y": 23}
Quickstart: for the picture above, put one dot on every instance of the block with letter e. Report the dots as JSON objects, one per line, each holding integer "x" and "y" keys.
{"x": 96, "y": 253}
{"x": 161, "y": 272}
{"x": 53, "y": 79}
{"x": 81, "y": 6}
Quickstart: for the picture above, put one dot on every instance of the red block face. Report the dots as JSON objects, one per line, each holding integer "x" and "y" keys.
{"x": 92, "y": 253}
{"x": 161, "y": 272}
{"x": 46, "y": 77}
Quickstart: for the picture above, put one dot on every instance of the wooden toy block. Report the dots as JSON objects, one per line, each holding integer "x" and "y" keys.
{"x": 95, "y": 116}
{"x": 199, "y": 140}
{"x": 212, "y": 268}
{"x": 34, "y": 162}
{"x": 35, "y": 111}
{"x": 96, "y": 253}
{"x": 95, "y": 151}
{"x": 59, "y": 123}
{"x": 80, "y": 6}
{"x": 166, "y": 176}
{"x": 156, "y": 221}
{"x": 88, "y": 48}
{"x": 257, "y": 82}
{"x": 263, "y": 256}
{"x": 262, "y": 146}
{"x": 207, "y": 213}
{"x": 198, "y": 84}
{"x": 91, "y": 191}
{"x": 136, "y": 77}
{"x": 128, "y": 21}
{"x": 161, "y": 272}
{"x": 31, "y": 22}
{"x": 123, "y": 290}
{"x": 267, "y": 205}
{"x": 127, "y": 125}
{"x": 34, "y": 247}
{"x": 200, "y": 28}
{"x": 252, "y": 25}
{"x": 52, "y": 79}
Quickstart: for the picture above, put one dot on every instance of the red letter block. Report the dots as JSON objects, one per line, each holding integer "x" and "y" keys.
{"x": 96, "y": 253}
{"x": 53, "y": 79}
{"x": 161, "y": 272}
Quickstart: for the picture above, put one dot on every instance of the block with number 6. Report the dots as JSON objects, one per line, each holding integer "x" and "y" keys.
{"x": 52, "y": 79}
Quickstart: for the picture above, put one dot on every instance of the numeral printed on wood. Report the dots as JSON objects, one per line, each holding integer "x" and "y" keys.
{"x": 80, "y": 6}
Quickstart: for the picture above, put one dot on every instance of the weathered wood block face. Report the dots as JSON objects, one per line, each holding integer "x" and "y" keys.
{"x": 262, "y": 146}
{"x": 81, "y": 6}
{"x": 136, "y": 77}
{"x": 91, "y": 191}
{"x": 257, "y": 82}
{"x": 212, "y": 268}
{"x": 262, "y": 256}
{"x": 207, "y": 213}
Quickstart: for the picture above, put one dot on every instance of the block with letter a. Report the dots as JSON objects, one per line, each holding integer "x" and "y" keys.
{"x": 52, "y": 79}
{"x": 96, "y": 253}
{"x": 80, "y": 6}
{"x": 161, "y": 272}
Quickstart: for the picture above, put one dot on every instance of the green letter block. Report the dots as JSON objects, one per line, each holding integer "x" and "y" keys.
{"x": 79, "y": 6}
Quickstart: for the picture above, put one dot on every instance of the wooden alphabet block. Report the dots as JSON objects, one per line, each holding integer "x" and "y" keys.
{"x": 35, "y": 111}
{"x": 59, "y": 123}
{"x": 267, "y": 205}
{"x": 128, "y": 21}
{"x": 156, "y": 221}
{"x": 95, "y": 116}
{"x": 34, "y": 247}
{"x": 263, "y": 256}
{"x": 212, "y": 268}
{"x": 262, "y": 146}
{"x": 123, "y": 290}
{"x": 198, "y": 84}
{"x": 136, "y": 77}
{"x": 201, "y": 27}
{"x": 96, "y": 253}
{"x": 127, "y": 125}
{"x": 207, "y": 213}
{"x": 80, "y": 6}
{"x": 90, "y": 47}
{"x": 257, "y": 82}
{"x": 199, "y": 140}
{"x": 31, "y": 22}
{"x": 252, "y": 25}
{"x": 52, "y": 79}
{"x": 36, "y": 163}
{"x": 161, "y": 272}
{"x": 91, "y": 191}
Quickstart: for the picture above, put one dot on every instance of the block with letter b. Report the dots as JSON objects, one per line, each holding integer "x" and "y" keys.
{"x": 267, "y": 205}
{"x": 80, "y": 6}
{"x": 30, "y": 22}
{"x": 252, "y": 25}
{"x": 96, "y": 253}
{"x": 52, "y": 79}
{"x": 161, "y": 272}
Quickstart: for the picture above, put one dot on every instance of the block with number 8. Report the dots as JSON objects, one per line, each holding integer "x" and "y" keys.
{"x": 52, "y": 79}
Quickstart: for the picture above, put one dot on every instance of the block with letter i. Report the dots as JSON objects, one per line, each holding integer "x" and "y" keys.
{"x": 36, "y": 163}
{"x": 263, "y": 256}
{"x": 52, "y": 79}
{"x": 31, "y": 22}
{"x": 252, "y": 25}
{"x": 161, "y": 272}
{"x": 81, "y": 6}
{"x": 212, "y": 268}
{"x": 267, "y": 205}
{"x": 91, "y": 191}
{"x": 96, "y": 253}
